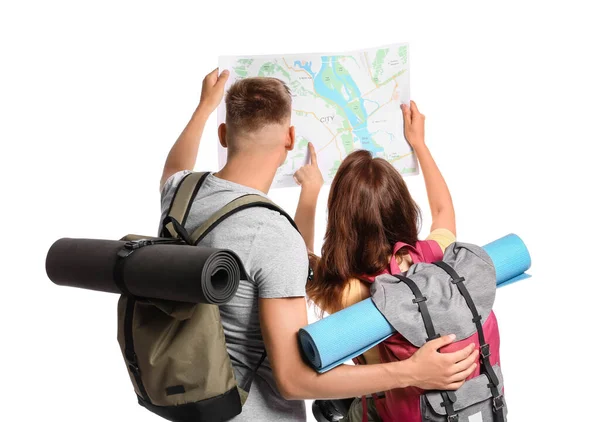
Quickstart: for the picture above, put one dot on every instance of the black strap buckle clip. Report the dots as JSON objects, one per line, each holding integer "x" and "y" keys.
{"x": 498, "y": 403}
{"x": 132, "y": 362}
{"x": 419, "y": 299}
{"x": 136, "y": 244}
{"x": 453, "y": 418}
{"x": 484, "y": 350}
{"x": 132, "y": 245}
{"x": 458, "y": 280}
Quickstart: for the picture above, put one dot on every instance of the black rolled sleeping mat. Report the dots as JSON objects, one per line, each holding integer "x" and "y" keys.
{"x": 176, "y": 272}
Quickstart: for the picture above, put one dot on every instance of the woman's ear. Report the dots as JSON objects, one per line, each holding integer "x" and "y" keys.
{"x": 223, "y": 135}
{"x": 289, "y": 145}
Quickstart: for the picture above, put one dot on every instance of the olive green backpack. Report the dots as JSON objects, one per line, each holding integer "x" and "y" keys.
{"x": 176, "y": 352}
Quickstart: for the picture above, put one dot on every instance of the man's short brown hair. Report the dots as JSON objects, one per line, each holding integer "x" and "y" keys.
{"x": 252, "y": 103}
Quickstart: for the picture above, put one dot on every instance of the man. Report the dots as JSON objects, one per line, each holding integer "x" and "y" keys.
{"x": 269, "y": 308}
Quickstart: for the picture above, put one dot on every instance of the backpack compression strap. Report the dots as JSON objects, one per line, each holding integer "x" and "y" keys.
{"x": 448, "y": 397}
{"x": 172, "y": 227}
{"x": 237, "y": 205}
{"x": 484, "y": 348}
{"x": 181, "y": 204}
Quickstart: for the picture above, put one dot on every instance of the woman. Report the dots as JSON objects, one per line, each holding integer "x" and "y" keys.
{"x": 372, "y": 228}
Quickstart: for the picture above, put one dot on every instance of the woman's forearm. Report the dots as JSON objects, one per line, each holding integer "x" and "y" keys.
{"x": 440, "y": 201}
{"x": 305, "y": 215}
{"x": 438, "y": 194}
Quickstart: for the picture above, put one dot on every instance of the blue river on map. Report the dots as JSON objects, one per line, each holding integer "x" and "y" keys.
{"x": 360, "y": 128}
{"x": 306, "y": 66}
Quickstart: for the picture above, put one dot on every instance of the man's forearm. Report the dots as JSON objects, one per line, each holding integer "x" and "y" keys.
{"x": 352, "y": 381}
{"x": 305, "y": 216}
{"x": 184, "y": 152}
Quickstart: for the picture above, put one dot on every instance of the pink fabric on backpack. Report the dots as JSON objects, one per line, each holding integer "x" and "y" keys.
{"x": 423, "y": 251}
{"x": 404, "y": 404}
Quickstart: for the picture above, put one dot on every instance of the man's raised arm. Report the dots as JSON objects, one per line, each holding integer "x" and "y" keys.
{"x": 184, "y": 152}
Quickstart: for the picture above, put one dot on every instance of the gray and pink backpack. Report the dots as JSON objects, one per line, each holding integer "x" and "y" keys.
{"x": 442, "y": 294}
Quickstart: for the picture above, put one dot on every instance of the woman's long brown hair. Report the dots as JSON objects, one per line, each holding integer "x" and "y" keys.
{"x": 369, "y": 210}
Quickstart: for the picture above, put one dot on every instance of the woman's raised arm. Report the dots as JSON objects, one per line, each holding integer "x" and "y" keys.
{"x": 440, "y": 200}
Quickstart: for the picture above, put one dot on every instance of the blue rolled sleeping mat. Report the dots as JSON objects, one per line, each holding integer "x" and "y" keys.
{"x": 347, "y": 334}
{"x": 511, "y": 259}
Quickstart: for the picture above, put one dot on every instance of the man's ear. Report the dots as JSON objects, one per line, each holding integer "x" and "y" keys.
{"x": 223, "y": 135}
{"x": 289, "y": 145}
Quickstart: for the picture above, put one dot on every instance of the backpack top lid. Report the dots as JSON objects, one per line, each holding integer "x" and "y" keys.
{"x": 446, "y": 305}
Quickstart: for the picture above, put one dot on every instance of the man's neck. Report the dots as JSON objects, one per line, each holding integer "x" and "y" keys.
{"x": 252, "y": 171}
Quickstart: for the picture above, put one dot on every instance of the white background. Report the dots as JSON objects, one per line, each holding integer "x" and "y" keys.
{"x": 92, "y": 95}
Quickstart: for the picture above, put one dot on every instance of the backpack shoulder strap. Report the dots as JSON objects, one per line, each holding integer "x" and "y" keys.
{"x": 430, "y": 250}
{"x": 182, "y": 203}
{"x": 237, "y": 205}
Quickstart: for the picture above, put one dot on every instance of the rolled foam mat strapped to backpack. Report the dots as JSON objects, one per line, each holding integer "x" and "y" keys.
{"x": 350, "y": 332}
{"x": 343, "y": 335}
{"x": 174, "y": 272}
{"x": 510, "y": 257}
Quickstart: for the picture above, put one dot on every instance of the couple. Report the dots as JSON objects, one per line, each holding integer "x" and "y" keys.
{"x": 369, "y": 210}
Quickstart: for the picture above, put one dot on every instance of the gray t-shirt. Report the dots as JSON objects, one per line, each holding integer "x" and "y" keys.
{"x": 275, "y": 259}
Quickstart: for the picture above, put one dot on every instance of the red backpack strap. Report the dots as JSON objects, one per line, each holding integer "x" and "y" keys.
{"x": 431, "y": 251}
{"x": 394, "y": 268}
{"x": 415, "y": 256}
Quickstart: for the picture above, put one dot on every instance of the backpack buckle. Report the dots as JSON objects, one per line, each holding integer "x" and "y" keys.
{"x": 458, "y": 280}
{"x": 136, "y": 244}
{"x": 130, "y": 246}
{"x": 484, "y": 349}
{"x": 498, "y": 403}
{"x": 132, "y": 362}
{"x": 134, "y": 368}
{"x": 453, "y": 418}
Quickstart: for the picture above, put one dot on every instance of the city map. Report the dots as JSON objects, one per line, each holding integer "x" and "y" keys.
{"x": 340, "y": 103}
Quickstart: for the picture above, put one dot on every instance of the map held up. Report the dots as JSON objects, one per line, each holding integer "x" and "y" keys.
{"x": 340, "y": 103}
